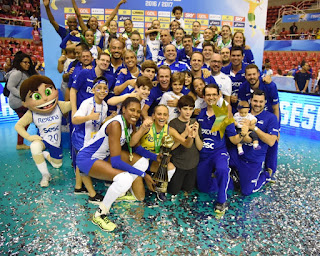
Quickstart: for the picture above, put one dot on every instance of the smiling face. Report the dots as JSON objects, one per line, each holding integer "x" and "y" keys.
{"x": 89, "y": 36}
{"x": 128, "y": 26}
{"x": 208, "y": 34}
{"x": 187, "y": 79}
{"x": 113, "y": 27}
{"x": 186, "y": 113}
{"x": 72, "y": 23}
{"x": 156, "y": 24}
{"x": 93, "y": 23}
{"x": 135, "y": 39}
{"x": 187, "y": 44}
{"x": 116, "y": 48}
{"x": 103, "y": 62}
{"x": 130, "y": 59}
{"x": 178, "y": 35}
{"x": 164, "y": 76}
{"x": 149, "y": 72}
{"x": 196, "y": 61}
{"x": 236, "y": 58}
{"x": 25, "y": 64}
{"x": 225, "y": 32}
{"x": 132, "y": 112}
{"x": 196, "y": 28}
{"x": 170, "y": 53}
{"x": 174, "y": 26}
{"x": 42, "y": 101}
{"x": 100, "y": 92}
{"x": 216, "y": 63}
{"x": 207, "y": 52}
{"x": 211, "y": 96}
{"x": 143, "y": 92}
{"x": 160, "y": 116}
{"x": 252, "y": 76}
{"x": 238, "y": 39}
{"x": 177, "y": 87}
{"x": 198, "y": 85}
{"x": 257, "y": 104}
{"x": 165, "y": 37}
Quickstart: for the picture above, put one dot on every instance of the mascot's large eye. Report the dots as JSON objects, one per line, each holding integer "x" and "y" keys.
{"x": 48, "y": 91}
{"x": 36, "y": 96}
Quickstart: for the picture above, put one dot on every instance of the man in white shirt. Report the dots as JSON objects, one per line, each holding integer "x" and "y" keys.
{"x": 222, "y": 80}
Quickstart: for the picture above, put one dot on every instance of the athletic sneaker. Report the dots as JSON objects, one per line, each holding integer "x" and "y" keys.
{"x": 97, "y": 199}
{"x": 81, "y": 191}
{"x": 161, "y": 197}
{"x": 45, "y": 181}
{"x": 220, "y": 208}
{"x": 103, "y": 222}
{"x": 127, "y": 197}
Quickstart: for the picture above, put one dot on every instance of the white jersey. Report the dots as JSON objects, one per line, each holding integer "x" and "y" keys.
{"x": 82, "y": 133}
{"x": 49, "y": 126}
{"x": 98, "y": 147}
{"x": 224, "y": 82}
{"x": 139, "y": 53}
{"x": 181, "y": 21}
{"x": 94, "y": 52}
{"x": 173, "y": 111}
{"x": 239, "y": 118}
{"x": 97, "y": 37}
{"x": 179, "y": 47}
{"x": 106, "y": 38}
{"x": 154, "y": 48}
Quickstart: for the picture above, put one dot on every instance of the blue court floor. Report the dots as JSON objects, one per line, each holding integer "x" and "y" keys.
{"x": 281, "y": 219}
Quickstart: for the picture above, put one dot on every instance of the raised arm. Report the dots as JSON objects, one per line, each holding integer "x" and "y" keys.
{"x": 50, "y": 16}
{"x": 114, "y": 13}
{"x": 83, "y": 26}
{"x": 144, "y": 128}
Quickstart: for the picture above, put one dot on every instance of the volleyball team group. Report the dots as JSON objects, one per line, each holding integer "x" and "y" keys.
{"x": 124, "y": 97}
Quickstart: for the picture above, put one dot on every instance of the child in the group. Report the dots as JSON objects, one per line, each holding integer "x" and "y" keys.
{"x": 177, "y": 12}
{"x": 185, "y": 159}
{"x": 142, "y": 90}
{"x": 239, "y": 117}
{"x": 136, "y": 46}
{"x": 177, "y": 82}
{"x": 149, "y": 69}
{"x": 152, "y": 43}
{"x": 197, "y": 89}
{"x": 40, "y": 96}
{"x": 88, "y": 119}
{"x": 178, "y": 35}
{"x": 188, "y": 79}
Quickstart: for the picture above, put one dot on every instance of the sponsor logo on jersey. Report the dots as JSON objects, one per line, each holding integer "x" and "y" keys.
{"x": 48, "y": 119}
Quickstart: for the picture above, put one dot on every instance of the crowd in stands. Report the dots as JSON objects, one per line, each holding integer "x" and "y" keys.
{"x": 20, "y": 12}
{"x": 194, "y": 80}
{"x": 293, "y": 34}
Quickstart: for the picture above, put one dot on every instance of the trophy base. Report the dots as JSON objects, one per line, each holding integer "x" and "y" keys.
{"x": 161, "y": 187}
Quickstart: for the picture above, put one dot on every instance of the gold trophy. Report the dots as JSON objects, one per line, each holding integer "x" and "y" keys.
{"x": 161, "y": 176}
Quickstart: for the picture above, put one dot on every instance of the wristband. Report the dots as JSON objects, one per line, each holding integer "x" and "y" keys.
{"x": 255, "y": 128}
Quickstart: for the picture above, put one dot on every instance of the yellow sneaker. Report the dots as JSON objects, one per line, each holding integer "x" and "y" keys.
{"x": 103, "y": 222}
{"x": 128, "y": 197}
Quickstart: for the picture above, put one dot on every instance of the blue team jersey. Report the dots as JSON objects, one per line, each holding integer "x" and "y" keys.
{"x": 122, "y": 78}
{"x": 236, "y": 80}
{"x": 155, "y": 96}
{"x": 270, "y": 90}
{"x": 160, "y": 55}
{"x": 248, "y": 56}
{"x": 212, "y": 140}
{"x": 268, "y": 123}
{"x": 63, "y": 32}
{"x": 177, "y": 66}
{"x": 112, "y": 70}
{"x": 182, "y": 56}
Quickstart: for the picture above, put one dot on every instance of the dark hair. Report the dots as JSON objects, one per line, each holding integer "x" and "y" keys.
{"x": 210, "y": 44}
{"x": 244, "y": 38}
{"x": 18, "y": 58}
{"x": 302, "y": 63}
{"x": 236, "y": 48}
{"x": 180, "y": 28}
{"x": 192, "y": 89}
{"x": 89, "y": 21}
{"x": 196, "y": 22}
{"x": 32, "y": 84}
{"x": 187, "y": 36}
{"x": 144, "y": 81}
{"x": 210, "y": 86}
{"x": 164, "y": 67}
{"x": 258, "y": 92}
{"x": 177, "y": 8}
{"x": 83, "y": 46}
{"x": 128, "y": 20}
{"x": 129, "y": 100}
{"x": 149, "y": 64}
{"x": 250, "y": 66}
{"x": 102, "y": 54}
{"x": 185, "y": 100}
{"x": 189, "y": 74}
{"x": 86, "y": 50}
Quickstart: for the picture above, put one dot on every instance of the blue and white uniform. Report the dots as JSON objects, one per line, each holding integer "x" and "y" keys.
{"x": 152, "y": 49}
{"x": 213, "y": 155}
{"x": 177, "y": 66}
{"x": 94, "y": 52}
{"x": 182, "y": 56}
{"x": 98, "y": 147}
{"x": 252, "y": 176}
{"x": 139, "y": 53}
{"x": 82, "y": 133}
{"x": 49, "y": 126}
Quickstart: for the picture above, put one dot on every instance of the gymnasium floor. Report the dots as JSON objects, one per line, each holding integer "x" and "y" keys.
{"x": 281, "y": 219}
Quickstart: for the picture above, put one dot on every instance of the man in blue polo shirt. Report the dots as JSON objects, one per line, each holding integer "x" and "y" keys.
{"x": 214, "y": 154}
{"x": 72, "y": 24}
{"x": 254, "y": 82}
{"x": 170, "y": 54}
{"x": 250, "y": 164}
{"x": 165, "y": 39}
{"x": 236, "y": 71}
{"x": 185, "y": 53}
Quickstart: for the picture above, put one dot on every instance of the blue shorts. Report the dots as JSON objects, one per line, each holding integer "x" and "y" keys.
{"x": 55, "y": 152}
{"x": 85, "y": 162}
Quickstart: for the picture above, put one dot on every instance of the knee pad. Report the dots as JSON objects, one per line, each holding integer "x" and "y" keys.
{"x": 36, "y": 148}
{"x": 142, "y": 164}
{"x": 122, "y": 182}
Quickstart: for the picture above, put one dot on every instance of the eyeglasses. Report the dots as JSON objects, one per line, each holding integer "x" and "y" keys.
{"x": 26, "y": 62}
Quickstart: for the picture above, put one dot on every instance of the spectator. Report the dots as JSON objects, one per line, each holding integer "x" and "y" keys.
{"x": 36, "y": 35}
{"x": 294, "y": 31}
{"x": 22, "y": 69}
{"x": 302, "y": 77}
{"x": 7, "y": 65}
{"x": 283, "y": 34}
